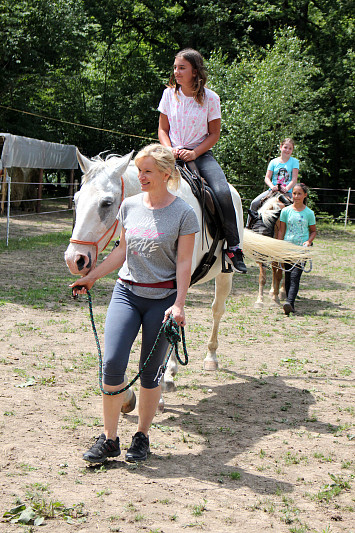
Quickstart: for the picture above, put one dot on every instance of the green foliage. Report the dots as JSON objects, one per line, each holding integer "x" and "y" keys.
{"x": 281, "y": 68}
{"x": 265, "y": 98}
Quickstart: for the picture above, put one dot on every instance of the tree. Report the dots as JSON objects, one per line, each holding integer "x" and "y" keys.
{"x": 264, "y": 98}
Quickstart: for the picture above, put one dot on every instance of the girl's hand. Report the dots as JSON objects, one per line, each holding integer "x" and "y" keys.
{"x": 178, "y": 315}
{"x": 307, "y": 243}
{"x": 283, "y": 189}
{"x": 176, "y": 152}
{"x": 275, "y": 188}
{"x": 187, "y": 155}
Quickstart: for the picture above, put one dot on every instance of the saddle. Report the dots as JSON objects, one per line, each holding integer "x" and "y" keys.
{"x": 212, "y": 217}
{"x": 256, "y": 222}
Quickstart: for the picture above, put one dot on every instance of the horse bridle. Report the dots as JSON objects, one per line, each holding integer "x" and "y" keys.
{"x": 113, "y": 228}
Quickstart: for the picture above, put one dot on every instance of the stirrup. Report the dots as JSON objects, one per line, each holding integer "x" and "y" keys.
{"x": 226, "y": 267}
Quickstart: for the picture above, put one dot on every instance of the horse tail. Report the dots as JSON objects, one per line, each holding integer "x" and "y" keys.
{"x": 266, "y": 249}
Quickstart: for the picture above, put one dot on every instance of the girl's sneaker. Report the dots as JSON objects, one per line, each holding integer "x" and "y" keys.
{"x": 139, "y": 448}
{"x": 102, "y": 449}
{"x": 288, "y": 308}
{"x": 235, "y": 258}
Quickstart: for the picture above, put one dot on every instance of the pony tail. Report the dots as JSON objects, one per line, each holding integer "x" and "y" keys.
{"x": 174, "y": 179}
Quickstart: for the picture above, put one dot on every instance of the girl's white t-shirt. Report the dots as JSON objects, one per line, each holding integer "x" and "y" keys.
{"x": 188, "y": 119}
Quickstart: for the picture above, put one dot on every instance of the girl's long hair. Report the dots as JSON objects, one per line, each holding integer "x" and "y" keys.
{"x": 196, "y": 61}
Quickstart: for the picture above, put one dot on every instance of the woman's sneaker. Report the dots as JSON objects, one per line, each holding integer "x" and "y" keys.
{"x": 139, "y": 448}
{"x": 102, "y": 449}
{"x": 236, "y": 259}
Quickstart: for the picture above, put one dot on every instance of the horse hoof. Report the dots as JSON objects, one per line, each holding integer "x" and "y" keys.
{"x": 275, "y": 303}
{"x": 169, "y": 386}
{"x": 161, "y": 406}
{"x": 259, "y": 305}
{"x": 130, "y": 405}
{"x": 210, "y": 366}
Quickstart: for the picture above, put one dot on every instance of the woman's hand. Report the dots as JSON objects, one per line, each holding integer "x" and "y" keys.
{"x": 178, "y": 315}
{"x": 84, "y": 283}
{"x": 187, "y": 155}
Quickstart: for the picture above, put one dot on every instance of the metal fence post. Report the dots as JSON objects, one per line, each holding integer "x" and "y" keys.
{"x": 347, "y": 207}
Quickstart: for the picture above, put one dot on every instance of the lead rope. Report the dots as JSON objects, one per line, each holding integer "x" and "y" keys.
{"x": 171, "y": 331}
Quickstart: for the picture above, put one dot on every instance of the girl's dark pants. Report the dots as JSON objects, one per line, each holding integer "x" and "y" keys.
{"x": 214, "y": 175}
{"x": 125, "y": 315}
{"x": 292, "y": 282}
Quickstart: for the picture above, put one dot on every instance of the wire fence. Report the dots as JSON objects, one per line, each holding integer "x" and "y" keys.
{"x": 46, "y": 203}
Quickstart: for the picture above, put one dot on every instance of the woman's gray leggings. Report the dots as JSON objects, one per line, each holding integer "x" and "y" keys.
{"x": 125, "y": 315}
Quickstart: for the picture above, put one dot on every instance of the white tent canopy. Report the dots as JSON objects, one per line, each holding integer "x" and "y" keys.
{"x": 32, "y": 153}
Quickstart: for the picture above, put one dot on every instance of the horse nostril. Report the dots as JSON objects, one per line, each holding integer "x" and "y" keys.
{"x": 83, "y": 261}
{"x": 80, "y": 262}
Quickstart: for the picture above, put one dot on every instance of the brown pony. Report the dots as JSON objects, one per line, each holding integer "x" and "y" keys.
{"x": 266, "y": 222}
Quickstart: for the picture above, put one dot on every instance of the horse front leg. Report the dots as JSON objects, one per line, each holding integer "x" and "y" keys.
{"x": 262, "y": 280}
{"x": 283, "y": 287}
{"x": 276, "y": 280}
{"x": 223, "y": 286}
{"x": 167, "y": 384}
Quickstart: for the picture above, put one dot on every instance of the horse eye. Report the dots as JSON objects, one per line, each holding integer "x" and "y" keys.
{"x": 106, "y": 203}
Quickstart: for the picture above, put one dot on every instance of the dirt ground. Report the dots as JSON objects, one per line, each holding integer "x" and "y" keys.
{"x": 266, "y": 443}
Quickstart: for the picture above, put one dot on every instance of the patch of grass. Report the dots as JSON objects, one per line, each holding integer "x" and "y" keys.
{"x": 198, "y": 509}
{"x": 331, "y": 490}
{"x": 235, "y": 475}
{"x": 294, "y": 458}
{"x": 48, "y": 240}
{"x": 38, "y": 508}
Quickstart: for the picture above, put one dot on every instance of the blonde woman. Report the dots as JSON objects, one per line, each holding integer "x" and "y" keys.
{"x": 154, "y": 257}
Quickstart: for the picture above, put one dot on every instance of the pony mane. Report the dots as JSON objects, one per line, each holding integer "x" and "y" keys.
{"x": 99, "y": 163}
{"x": 270, "y": 210}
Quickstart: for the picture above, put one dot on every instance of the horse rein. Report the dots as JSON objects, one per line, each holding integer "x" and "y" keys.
{"x": 113, "y": 228}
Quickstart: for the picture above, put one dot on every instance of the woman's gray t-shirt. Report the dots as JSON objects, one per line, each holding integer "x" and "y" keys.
{"x": 151, "y": 240}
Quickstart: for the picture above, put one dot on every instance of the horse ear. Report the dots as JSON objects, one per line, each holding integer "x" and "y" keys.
{"x": 84, "y": 162}
{"x": 124, "y": 162}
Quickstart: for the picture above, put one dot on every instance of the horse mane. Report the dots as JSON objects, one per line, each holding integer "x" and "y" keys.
{"x": 270, "y": 210}
{"x": 110, "y": 161}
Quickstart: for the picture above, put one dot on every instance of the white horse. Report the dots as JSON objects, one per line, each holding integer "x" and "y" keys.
{"x": 104, "y": 185}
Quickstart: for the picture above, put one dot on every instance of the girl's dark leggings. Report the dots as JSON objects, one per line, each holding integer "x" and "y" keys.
{"x": 292, "y": 282}
{"x": 125, "y": 315}
{"x": 214, "y": 175}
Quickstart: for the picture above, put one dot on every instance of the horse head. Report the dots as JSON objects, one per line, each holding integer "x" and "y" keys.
{"x": 96, "y": 207}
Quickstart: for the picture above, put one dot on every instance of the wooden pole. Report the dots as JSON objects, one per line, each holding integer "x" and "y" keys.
{"x": 3, "y": 190}
{"x": 71, "y": 189}
{"x": 40, "y": 186}
{"x": 8, "y": 181}
{"x": 76, "y": 185}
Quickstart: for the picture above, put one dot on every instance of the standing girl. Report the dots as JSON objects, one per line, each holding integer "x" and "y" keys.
{"x": 190, "y": 122}
{"x": 154, "y": 256}
{"x": 297, "y": 225}
{"x": 281, "y": 174}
